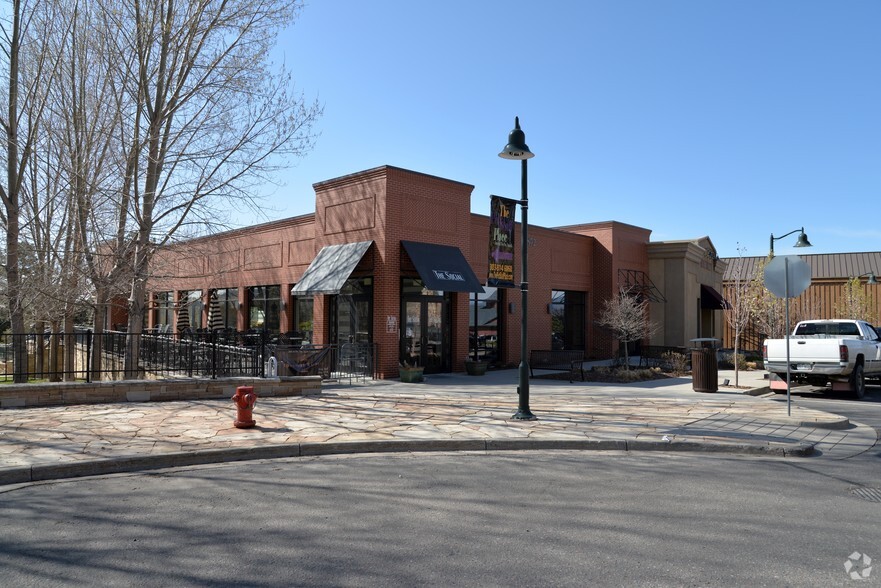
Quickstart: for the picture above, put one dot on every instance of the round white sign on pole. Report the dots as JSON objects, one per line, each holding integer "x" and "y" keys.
{"x": 789, "y": 268}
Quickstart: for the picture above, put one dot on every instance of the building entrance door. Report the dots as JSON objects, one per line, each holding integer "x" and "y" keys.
{"x": 425, "y": 338}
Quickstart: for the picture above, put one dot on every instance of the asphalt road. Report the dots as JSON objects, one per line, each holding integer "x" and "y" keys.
{"x": 867, "y": 410}
{"x": 512, "y": 519}
{"x": 860, "y": 470}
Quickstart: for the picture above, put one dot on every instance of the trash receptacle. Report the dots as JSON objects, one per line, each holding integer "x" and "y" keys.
{"x": 704, "y": 367}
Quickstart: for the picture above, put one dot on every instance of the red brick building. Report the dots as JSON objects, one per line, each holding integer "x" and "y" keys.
{"x": 360, "y": 270}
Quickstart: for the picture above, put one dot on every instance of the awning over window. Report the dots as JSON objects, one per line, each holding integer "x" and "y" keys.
{"x": 330, "y": 269}
{"x": 637, "y": 283}
{"x": 442, "y": 267}
{"x": 712, "y": 300}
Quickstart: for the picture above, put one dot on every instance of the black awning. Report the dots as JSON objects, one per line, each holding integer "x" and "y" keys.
{"x": 442, "y": 267}
{"x": 712, "y": 300}
{"x": 330, "y": 269}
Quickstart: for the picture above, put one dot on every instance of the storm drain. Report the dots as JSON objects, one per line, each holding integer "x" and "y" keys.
{"x": 867, "y": 493}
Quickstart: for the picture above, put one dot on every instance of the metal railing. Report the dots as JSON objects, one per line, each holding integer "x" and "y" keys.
{"x": 350, "y": 361}
{"x": 49, "y": 356}
{"x": 223, "y": 353}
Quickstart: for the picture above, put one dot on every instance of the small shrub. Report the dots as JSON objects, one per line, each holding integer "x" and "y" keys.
{"x": 678, "y": 362}
{"x": 727, "y": 360}
{"x": 638, "y": 375}
{"x": 622, "y": 375}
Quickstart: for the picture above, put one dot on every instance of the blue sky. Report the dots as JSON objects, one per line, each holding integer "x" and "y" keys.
{"x": 733, "y": 119}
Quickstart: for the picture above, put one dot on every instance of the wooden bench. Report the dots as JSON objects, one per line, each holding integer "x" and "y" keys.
{"x": 570, "y": 361}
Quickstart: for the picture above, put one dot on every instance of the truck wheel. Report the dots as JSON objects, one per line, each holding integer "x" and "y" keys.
{"x": 858, "y": 382}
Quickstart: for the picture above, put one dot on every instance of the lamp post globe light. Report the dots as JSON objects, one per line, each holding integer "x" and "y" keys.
{"x": 517, "y": 149}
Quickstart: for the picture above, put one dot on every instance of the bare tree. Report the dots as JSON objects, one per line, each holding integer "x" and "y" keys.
{"x": 743, "y": 295}
{"x": 27, "y": 66}
{"x": 627, "y": 317}
{"x": 855, "y": 303}
{"x": 132, "y": 124}
{"x": 770, "y": 311}
{"x": 59, "y": 178}
{"x": 202, "y": 117}
{"x": 85, "y": 116}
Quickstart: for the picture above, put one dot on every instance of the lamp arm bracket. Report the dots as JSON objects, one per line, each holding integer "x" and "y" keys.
{"x": 788, "y": 234}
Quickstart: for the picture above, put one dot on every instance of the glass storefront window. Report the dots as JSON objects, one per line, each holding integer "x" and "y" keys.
{"x": 303, "y": 309}
{"x": 264, "y": 303}
{"x": 483, "y": 325}
{"x": 164, "y": 310}
{"x": 352, "y": 319}
{"x": 228, "y": 299}
{"x": 358, "y": 286}
{"x": 567, "y": 319}
{"x": 190, "y": 312}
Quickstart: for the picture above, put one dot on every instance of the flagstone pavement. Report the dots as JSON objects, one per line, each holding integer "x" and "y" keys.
{"x": 447, "y": 412}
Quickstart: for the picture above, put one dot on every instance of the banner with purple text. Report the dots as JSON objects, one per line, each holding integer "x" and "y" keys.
{"x": 501, "y": 242}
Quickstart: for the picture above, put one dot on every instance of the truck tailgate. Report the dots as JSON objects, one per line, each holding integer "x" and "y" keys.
{"x": 806, "y": 351}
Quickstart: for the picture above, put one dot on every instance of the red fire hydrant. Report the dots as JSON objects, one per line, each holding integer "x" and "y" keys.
{"x": 245, "y": 400}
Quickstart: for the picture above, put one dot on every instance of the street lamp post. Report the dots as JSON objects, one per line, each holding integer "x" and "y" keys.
{"x": 517, "y": 149}
{"x": 801, "y": 242}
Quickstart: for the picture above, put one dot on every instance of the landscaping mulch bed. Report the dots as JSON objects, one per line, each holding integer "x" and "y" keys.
{"x": 620, "y": 376}
{"x": 617, "y": 376}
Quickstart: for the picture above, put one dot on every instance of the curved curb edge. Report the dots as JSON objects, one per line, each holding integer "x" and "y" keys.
{"x": 97, "y": 467}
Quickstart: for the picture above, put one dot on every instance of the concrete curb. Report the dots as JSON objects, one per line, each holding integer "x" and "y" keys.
{"x": 835, "y": 425}
{"x": 97, "y": 467}
{"x": 837, "y": 422}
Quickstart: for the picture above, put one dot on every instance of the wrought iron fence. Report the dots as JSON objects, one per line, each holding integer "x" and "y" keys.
{"x": 751, "y": 340}
{"x": 350, "y": 361}
{"x": 222, "y": 353}
{"x": 50, "y": 356}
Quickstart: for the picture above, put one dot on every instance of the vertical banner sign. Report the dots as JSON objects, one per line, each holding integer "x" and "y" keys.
{"x": 501, "y": 242}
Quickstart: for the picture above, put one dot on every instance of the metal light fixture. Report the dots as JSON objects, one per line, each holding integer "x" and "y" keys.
{"x": 517, "y": 149}
{"x": 801, "y": 242}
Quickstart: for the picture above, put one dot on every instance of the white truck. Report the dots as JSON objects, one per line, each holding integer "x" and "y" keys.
{"x": 841, "y": 352}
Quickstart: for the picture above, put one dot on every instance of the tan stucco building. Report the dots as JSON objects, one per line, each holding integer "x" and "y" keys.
{"x": 689, "y": 276}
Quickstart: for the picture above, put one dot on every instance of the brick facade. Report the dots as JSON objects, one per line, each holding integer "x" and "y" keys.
{"x": 387, "y": 205}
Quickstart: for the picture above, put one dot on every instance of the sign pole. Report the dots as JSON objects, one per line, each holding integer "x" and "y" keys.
{"x": 787, "y": 276}
{"x": 788, "y": 367}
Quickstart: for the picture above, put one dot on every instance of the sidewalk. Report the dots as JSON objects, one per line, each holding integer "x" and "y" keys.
{"x": 447, "y": 412}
